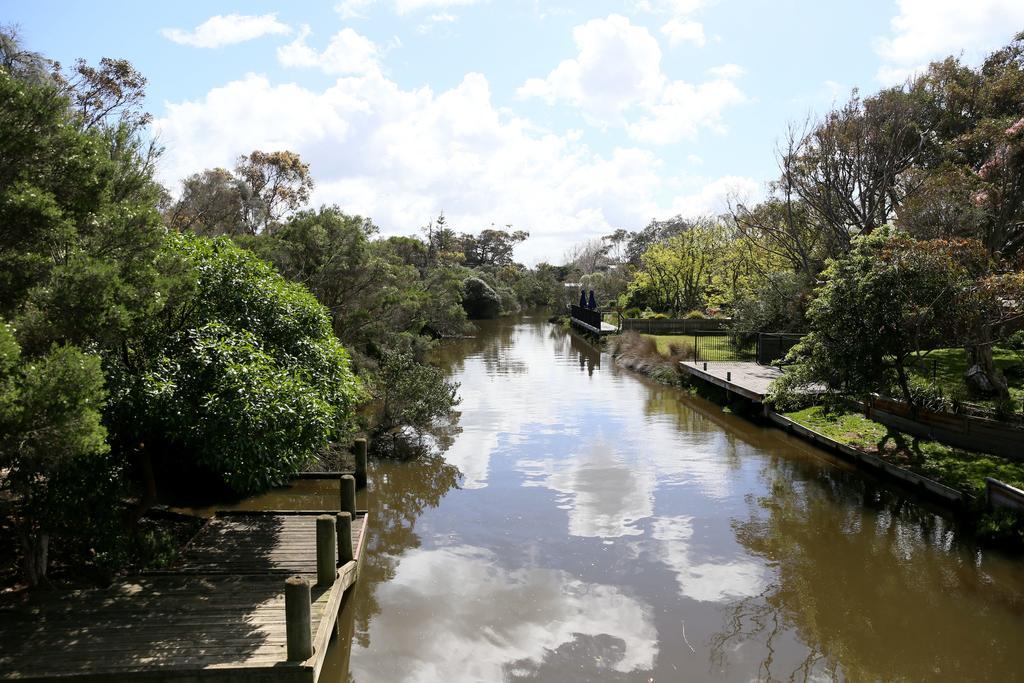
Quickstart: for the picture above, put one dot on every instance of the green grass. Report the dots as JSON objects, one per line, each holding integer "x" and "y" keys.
{"x": 723, "y": 350}
{"x": 951, "y": 364}
{"x": 954, "y": 467}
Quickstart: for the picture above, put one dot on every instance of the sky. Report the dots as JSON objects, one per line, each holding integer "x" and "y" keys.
{"x": 564, "y": 119}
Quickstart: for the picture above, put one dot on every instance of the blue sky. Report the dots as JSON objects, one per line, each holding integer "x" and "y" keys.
{"x": 567, "y": 119}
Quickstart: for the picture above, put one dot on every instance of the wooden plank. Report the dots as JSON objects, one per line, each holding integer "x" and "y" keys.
{"x": 200, "y": 621}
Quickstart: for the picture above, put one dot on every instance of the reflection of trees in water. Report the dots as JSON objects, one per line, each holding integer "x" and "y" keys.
{"x": 490, "y": 345}
{"x": 399, "y": 494}
{"x": 875, "y": 586}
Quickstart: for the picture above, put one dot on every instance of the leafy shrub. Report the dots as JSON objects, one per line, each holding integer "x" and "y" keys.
{"x": 632, "y": 312}
{"x": 479, "y": 300}
{"x": 695, "y": 315}
{"x": 241, "y": 378}
{"x": 411, "y": 396}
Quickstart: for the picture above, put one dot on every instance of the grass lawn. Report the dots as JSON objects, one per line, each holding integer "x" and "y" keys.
{"x": 951, "y": 364}
{"x": 719, "y": 343}
{"x": 953, "y": 467}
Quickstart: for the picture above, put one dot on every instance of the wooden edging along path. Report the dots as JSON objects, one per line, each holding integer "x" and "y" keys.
{"x": 751, "y": 381}
{"x": 253, "y": 598}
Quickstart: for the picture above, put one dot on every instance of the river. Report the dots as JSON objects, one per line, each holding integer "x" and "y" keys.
{"x": 587, "y": 524}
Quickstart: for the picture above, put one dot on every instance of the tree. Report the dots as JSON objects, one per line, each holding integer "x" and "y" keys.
{"x": 212, "y": 203}
{"x": 492, "y": 247}
{"x": 411, "y": 397}
{"x": 891, "y": 297}
{"x": 49, "y": 416}
{"x": 240, "y": 377}
{"x": 480, "y": 300}
{"x": 680, "y": 274}
{"x": 279, "y": 182}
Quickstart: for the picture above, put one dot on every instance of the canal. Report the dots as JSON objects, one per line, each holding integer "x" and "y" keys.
{"x": 587, "y": 524}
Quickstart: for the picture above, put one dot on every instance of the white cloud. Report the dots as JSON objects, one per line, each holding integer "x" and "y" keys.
{"x": 406, "y": 6}
{"x": 617, "y": 73}
{"x": 227, "y": 29}
{"x": 714, "y": 196}
{"x": 684, "y": 31}
{"x": 401, "y": 156}
{"x": 353, "y": 9}
{"x": 502, "y": 617}
{"x": 925, "y": 30}
{"x": 347, "y": 53}
{"x": 727, "y": 71}
{"x": 436, "y": 20}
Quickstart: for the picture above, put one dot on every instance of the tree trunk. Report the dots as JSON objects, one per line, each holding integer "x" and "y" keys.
{"x": 35, "y": 545}
{"x": 980, "y": 355}
{"x": 148, "y": 494}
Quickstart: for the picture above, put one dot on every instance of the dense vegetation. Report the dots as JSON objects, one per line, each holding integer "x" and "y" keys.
{"x": 894, "y": 230}
{"x": 222, "y": 340}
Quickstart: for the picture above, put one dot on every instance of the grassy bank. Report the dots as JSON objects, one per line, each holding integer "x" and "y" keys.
{"x": 945, "y": 368}
{"x": 954, "y": 467}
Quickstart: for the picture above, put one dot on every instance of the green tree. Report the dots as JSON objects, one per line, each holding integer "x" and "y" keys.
{"x": 891, "y": 297}
{"x": 49, "y": 416}
{"x": 411, "y": 396}
{"x": 239, "y": 377}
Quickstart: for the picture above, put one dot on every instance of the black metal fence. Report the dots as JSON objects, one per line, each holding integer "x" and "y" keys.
{"x": 711, "y": 346}
{"x": 589, "y": 316}
{"x": 675, "y": 325}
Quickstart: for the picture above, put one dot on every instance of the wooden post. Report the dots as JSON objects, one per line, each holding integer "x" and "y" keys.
{"x": 326, "y": 552}
{"x": 298, "y": 621}
{"x": 344, "y": 538}
{"x": 360, "y": 453}
{"x": 728, "y": 376}
{"x": 348, "y": 494}
{"x": 705, "y": 367}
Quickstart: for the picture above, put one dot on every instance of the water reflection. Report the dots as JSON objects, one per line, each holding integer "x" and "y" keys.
{"x": 906, "y": 608}
{"x": 589, "y": 525}
{"x": 456, "y": 613}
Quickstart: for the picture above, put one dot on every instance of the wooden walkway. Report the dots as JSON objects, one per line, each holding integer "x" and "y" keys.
{"x": 606, "y": 328}
{"x": 747, "y": 379}
{"x": 217, "y": 615}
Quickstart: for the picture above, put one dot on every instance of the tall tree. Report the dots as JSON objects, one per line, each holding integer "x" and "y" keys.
{"x": 279, "y": 183}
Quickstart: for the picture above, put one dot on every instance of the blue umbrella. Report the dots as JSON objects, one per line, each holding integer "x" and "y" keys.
{"x": 593, "y": 302}
{"x": 583, "y": 298}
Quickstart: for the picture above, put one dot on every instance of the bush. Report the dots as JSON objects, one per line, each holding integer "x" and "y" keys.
{"x": 632, "y": 312}
{"x": 479, "y": 300}
{"x": 695, "y": 315}
{"x": 242, "y": 378}
{"x": 412, "y": 397}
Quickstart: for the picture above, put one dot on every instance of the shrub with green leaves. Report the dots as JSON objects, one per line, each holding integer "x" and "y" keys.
{"x": 240, "y": 377}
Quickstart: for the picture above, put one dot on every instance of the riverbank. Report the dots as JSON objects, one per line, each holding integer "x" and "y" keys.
{"x": 955, "y": 477}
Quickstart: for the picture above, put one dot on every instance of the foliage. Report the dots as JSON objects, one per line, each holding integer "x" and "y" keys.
{"x": 889, "y": 298}
{"x": 779, "y": 306}
{"x": 412, "y": 396}
{"x": 49, "y": 416}
{"x": 240, "y": 376}
{"x": 479, "y": 300}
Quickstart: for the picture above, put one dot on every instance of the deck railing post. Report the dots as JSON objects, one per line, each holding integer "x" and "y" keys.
{"x": 298, "y": 621}
{"x": 728, "y": 376}
{"x": 360, "y": 453}
{"x": 326, "y": 551}
{"x": 344, "y": 538}
{"x": 348, "y": 494}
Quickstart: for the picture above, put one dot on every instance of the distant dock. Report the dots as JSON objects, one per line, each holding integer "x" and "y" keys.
{"x": 590, "y": 320}
{"x": 253, "y": 598}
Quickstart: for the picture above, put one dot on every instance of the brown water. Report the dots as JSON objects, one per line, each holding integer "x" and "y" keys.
{"x": 590, "y": 525}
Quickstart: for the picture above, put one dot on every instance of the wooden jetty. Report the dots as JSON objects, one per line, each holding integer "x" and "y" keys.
{"x": 749, "y": 380}
{"x": 590, "y": 320}
{"x": 253, "y": 598}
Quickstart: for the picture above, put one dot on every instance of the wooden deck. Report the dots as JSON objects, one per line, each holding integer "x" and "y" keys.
{"x": 749, "y": 380}
{"x": 606, "y": 328}
{"x": 217, "y": 615}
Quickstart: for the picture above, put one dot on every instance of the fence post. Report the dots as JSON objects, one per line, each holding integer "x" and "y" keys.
{"x": 297, "y": 618}
{"x": 348, "y": 494}
{"x": 360, "y": 453}
{"x": 326, "y": 551}
{"x": 344, "y": 537}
